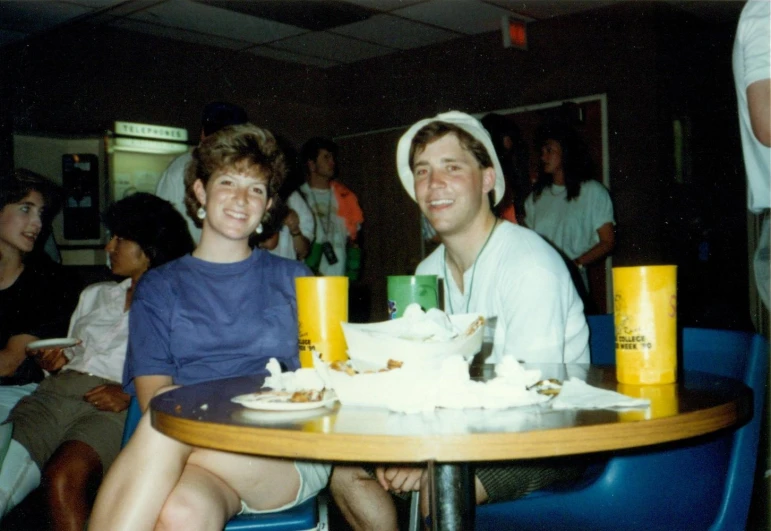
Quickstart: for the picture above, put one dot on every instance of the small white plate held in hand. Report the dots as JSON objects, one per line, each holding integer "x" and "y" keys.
{"x": 59, "y": 342}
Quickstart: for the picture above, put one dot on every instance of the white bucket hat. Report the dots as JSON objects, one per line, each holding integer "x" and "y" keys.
{"x": 466, "y": 122}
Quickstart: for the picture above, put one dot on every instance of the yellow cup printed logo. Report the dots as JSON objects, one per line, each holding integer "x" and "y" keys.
{"x": 322, "y": 304}
{"x": 645, "y": 312}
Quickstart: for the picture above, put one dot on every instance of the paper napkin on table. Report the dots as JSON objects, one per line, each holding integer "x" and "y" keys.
{"x": 577, "y": 394}
{"x": 299, "y": 380}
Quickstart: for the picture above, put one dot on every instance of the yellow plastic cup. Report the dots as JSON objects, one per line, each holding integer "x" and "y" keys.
{"x": 663, "y": 399}
{"x": 645, "y": 313}
{"x": 322, "y": 304}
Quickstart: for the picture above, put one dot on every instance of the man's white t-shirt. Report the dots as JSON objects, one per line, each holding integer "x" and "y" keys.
{"x": 570, "y": 225}
{"x": 285, "y": 246}
{"x": 329, "y": 227}
{"x": 522, "y": 282}
{"x": 751, "y": 63}
{"x": 171, "y": 187}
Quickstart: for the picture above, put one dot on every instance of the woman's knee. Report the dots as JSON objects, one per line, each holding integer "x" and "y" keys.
{"x": 189, "y": 510}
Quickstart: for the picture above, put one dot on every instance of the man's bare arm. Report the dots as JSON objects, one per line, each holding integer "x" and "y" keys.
{"x": 759, "y": 102}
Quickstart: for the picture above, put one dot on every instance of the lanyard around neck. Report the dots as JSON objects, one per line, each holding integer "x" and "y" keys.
{"x": 473, "y": 271}
{"x": 328, "y": 225}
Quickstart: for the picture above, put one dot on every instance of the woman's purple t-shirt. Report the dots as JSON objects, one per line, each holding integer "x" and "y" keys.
{"x": 196, "y": 321}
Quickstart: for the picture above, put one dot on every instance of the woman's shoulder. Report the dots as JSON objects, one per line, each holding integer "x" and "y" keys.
{"x": 595, "y": 187}
{"x": 279, "y": 265}
{"x": 99, "y": 294}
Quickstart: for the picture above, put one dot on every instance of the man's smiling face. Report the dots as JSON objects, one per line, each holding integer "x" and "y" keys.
{"x": 450, "y": 185}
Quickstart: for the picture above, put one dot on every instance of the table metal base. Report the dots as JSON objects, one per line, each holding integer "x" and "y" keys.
{"x": 453, "y": 500}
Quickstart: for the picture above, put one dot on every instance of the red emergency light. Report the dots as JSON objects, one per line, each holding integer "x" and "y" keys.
{"x": 514, "y": 33}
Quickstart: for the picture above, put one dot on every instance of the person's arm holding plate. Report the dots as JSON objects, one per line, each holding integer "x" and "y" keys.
{"x": 52, "y": 359}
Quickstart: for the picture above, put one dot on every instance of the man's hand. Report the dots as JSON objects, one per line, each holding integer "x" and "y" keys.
{"x": 400, "y": 479}
{"x": 292, "y": 221}
{"x": 270, "y": 243}
{"x": 49, "y": 359}
{"x": 107, "y": 397}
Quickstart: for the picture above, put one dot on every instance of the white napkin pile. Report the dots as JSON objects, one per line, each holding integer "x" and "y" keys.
{"x": 432, "y": 325}
{"x": 412, "y": 391}
{"x": 577, "y": 394}
{"x": 299, "y": 380}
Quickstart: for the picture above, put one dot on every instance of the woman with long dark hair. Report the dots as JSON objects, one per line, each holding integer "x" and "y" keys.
{"x": 67, "y": 433}
{"x": 37, "y": 295}
{"x": 568, "y": 207}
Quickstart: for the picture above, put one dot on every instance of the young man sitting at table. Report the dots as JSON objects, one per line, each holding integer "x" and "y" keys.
{"x": 448, "y": 166}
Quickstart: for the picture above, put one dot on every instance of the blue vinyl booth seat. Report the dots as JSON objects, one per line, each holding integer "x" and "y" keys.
{"x": 303, "y": 517}
{"x": 699, "y": 484}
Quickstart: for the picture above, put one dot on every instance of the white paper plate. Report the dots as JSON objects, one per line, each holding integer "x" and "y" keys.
{"x": 279, "y": 401}
{"x": 59, "y": 342}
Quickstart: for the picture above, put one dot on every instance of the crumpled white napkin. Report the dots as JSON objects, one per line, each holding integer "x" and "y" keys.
{"x": 577, "y": 394}
{"x": 432, "y": 325}
{"x": 408, "y": 390}
{"x": 301, "y": 379}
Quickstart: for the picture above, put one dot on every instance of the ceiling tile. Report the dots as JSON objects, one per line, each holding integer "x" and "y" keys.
{"x": 215, "y": 21}
{"x": 464, "y": 16}
{"x": 282, "y": 55}
{"x": 544, "y": 9}
{"x": 178, "y": 34}
{"x": 96, "y": 4}
{"x": 395, "y": 32}
{"x": 384, "y": 5}
{"x": 309, "y": 14}
{"x": 31, "y": 17}
{"x": 331, "y": 46}
{"x": 7, "y": 37}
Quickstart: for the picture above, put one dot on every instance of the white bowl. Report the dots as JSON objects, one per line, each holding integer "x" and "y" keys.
{"x": 371, "y": 345}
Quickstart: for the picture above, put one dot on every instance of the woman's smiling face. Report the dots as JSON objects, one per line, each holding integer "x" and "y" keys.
{"x": 21, "y": 223}
{"x": 235, "y": 200}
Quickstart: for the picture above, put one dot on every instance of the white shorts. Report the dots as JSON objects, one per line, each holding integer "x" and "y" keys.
{"x": 313, "y": 477}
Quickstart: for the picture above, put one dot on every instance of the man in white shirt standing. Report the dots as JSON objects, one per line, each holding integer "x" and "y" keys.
{"x": 171, "y": 186}
{"x": 506, "y": 272}
{"x": 752, "y": 76}
{"x": 335, "y": 209}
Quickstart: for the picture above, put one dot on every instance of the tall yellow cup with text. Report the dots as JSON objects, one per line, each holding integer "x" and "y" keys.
{"x": 645, "y": 312}
{"x": 322, "y": 304}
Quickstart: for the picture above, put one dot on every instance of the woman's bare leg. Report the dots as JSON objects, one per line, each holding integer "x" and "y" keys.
{"x": 139, "y": 481}
{"x": 200, "y": 501}
{"x": 263, "y": 483}
{"x": 148, "y": 471}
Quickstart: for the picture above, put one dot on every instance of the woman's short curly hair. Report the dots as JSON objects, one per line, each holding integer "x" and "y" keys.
{"x": 244, "y": 147}
{"x": 153, "y": 223}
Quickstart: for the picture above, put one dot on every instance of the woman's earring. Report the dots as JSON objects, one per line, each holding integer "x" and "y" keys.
{"x": 201, "y": 213}
{"x": 258, "y": 230}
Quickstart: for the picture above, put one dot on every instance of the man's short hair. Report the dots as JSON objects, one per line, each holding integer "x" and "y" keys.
{"x": 311, "y": 149}
{"x": 219, "y": 114}
{"x": 436, "y": 130}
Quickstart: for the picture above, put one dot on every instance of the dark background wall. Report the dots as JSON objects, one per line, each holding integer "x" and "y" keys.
{"x": 654, "y": 64}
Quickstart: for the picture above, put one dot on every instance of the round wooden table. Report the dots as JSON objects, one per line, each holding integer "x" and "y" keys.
{"x": 448, "y": 440}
